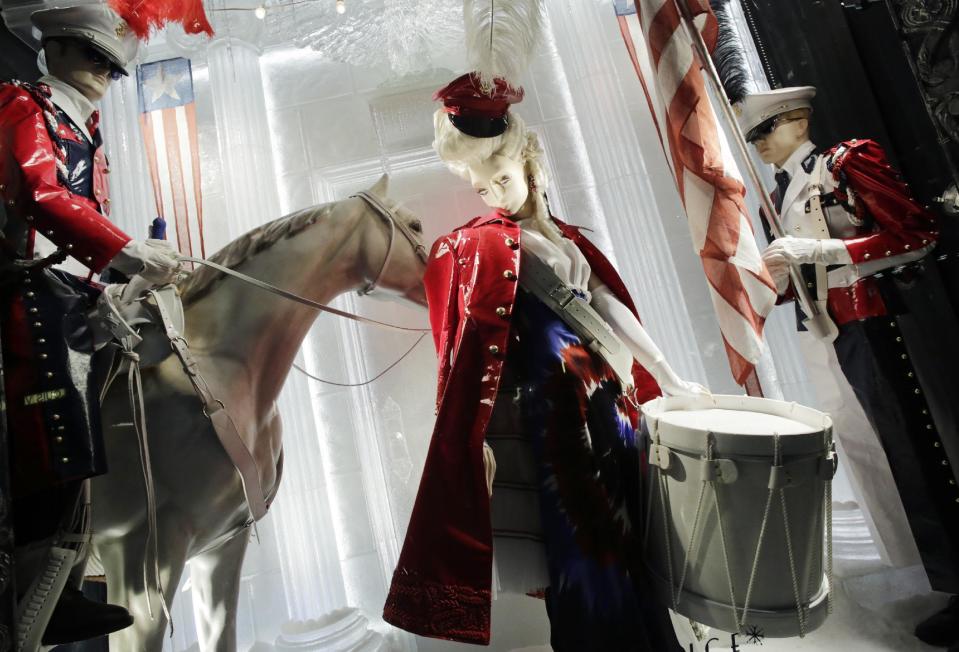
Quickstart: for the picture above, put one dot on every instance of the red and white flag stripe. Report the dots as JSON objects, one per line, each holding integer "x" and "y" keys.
{"x": 169, "y": 135}
{"x": 706, "y": 175}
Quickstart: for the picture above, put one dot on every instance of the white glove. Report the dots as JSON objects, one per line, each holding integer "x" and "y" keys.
{"x": 154, "y": 260}
{"x": 793, "y": 251}
{"x": 640, "y": 344}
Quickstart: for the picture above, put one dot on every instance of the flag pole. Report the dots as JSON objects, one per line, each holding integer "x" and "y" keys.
{"x": 819, "y": 323}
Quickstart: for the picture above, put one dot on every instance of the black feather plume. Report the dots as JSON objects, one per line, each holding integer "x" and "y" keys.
{"x": 729, "y": 55}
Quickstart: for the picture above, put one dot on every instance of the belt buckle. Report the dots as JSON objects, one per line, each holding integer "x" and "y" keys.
{"x": 561, "y": 295}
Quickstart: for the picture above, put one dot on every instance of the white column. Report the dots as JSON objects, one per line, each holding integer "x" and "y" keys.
{"x": 633, "y": 218}
{"x": 132, "y": 207}
{"x": 246, "y": 151}
{"x": 309, "y": 555}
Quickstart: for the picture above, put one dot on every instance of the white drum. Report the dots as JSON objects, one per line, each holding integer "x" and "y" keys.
{"x": 737, "y": 525}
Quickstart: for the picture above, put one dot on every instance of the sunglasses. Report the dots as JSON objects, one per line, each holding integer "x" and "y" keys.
{"x": 96, "y": 57}
{"x": 766, "y": 127}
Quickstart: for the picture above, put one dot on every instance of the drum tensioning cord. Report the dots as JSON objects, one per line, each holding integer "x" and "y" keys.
{"x": 740, "y": 620}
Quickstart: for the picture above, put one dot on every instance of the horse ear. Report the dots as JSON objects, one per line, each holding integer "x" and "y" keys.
{"x": 381, "y": 187}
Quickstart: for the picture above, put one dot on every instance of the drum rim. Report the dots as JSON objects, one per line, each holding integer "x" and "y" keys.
{"x": 693, "y": 440}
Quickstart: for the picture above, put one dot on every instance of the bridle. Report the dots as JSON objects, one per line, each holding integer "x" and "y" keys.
{"x": 394, "y": 223}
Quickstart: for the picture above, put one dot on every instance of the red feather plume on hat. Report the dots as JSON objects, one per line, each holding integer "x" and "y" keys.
{"x": 144, "y": 15}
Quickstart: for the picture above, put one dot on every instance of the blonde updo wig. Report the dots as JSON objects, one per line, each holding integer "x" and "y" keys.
{"x": 459, "y": 150}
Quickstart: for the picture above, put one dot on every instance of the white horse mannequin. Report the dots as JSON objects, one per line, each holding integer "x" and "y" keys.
{"x": 245, "y": 341}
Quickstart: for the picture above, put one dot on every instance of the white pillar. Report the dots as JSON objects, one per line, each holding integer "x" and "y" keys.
{"x": 132, "y": 206}
{"x": 633, "y": 217}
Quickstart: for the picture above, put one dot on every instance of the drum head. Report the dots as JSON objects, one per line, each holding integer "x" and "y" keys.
{"x": 742, "y": 425}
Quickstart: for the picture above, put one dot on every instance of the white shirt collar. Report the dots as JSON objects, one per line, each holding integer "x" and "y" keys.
{"x": 793, "y": 164}
{"x": 70, "y": 101}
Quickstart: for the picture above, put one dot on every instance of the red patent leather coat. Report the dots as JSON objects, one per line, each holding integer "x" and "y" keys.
{"x": 54, "y": 181}
{"x": 441, "y": 586}
{"x": 893, "y": 223}
{"x": 31, "y": 190}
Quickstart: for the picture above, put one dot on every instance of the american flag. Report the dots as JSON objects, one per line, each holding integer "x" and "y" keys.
{"x": 708, "y": 180}
{"x": 168, "y": 120}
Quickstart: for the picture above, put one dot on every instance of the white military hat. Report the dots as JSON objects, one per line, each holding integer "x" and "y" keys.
{"x": 97, "y": 24}
{"x": 758, "y": 108}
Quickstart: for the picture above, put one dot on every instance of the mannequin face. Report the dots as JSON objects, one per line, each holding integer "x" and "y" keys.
{"x": 80, "y": 66}
{"x": 785, "y": 138}
{"x": 501, "y": 183}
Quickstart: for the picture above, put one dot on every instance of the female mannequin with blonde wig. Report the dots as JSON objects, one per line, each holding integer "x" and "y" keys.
{"x": 535, "y": 443}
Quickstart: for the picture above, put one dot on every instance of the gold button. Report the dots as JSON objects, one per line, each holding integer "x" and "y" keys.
{"x": 494, "y": 349}
{"x": 30, "y": 294}
{"x": 58, "y": 439}
{"x": 49, "y": 374}
{"x": 106, "y": 200}
{"x": 64, "y": 459}
{"x": 928, "y": 426}
{"x": 56, "y": 417}
{"x": 899, "y": 339}
{"x": 501, "y": 311}
{"x": 866, "y": 256}
{"x": 87, "y": 259}
{"x": 916, "y": 391}
{"x": 43, "y": 356}
{"x": 925, "y": 411}
{"x": 888, "y": 253}
{"x": 936, "y": 445}
{"x": 33, "y": 311}
{"x": 909, "y": 375}
{"x": 37, "y": 324}
{"x": 908, "y": 247}
{"x": 69, "y": 247}
{"x": 903, "y": 356}
{"x": 809, "y": 285}
{"x": 49, "y": 232}
{"x": 509, "y": 275}
{"x": 42, "y": 340}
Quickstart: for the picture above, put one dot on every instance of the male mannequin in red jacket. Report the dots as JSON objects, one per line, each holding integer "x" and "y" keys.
{"x": 854, "y": 232}
{"x": 53, "y": 182}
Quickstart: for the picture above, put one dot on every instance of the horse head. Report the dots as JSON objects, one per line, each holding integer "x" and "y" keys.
{"x": 393, "y": 252}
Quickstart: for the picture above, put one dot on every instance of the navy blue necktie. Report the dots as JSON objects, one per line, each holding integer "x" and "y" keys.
{"x": 782, "y": 183}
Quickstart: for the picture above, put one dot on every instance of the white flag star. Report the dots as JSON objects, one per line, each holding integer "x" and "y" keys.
{"x": 162, "y": 84}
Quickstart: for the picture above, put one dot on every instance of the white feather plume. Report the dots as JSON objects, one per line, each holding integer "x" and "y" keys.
{"x": 501, "y": 36}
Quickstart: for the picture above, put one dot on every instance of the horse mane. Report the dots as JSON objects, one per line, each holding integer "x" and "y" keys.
{"x": 197, "y": 284}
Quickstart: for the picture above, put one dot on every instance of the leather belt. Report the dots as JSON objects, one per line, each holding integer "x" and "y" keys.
{"x": 542, "y": 282}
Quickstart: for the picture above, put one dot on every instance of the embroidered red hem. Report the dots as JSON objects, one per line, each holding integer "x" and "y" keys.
{"x": 456, "y": 613}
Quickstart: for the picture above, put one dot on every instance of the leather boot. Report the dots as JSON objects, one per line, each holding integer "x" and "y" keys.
{"x": 942, "y": 628}
{"x": 76, "y": 618}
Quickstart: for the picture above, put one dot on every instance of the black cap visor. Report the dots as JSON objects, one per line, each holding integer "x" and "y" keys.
{"x": 479, "y": 126}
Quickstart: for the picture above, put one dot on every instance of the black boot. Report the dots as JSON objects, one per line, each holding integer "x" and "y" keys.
{"x": 941, "y": 629}
{"x": 76, "y": 618}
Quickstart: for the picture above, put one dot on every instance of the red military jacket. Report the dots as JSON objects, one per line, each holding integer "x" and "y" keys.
{"x": 441, "y": 586}
{"x": 34, "y": 139}
{"x": 892, "y": 224}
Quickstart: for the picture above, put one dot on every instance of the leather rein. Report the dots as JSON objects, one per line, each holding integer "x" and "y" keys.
{"x": 391, "y": 220}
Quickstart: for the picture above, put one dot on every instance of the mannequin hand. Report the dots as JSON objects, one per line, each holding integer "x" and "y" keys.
{"x": 793, "y": 251}
{"x": 672, "y": 384}
{"x": 153, "y": 260}
{"x": 681, "y": 387}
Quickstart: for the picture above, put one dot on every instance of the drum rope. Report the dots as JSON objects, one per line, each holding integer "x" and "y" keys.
{"x": 800, "y": 611}
{"x": 690, "y": 546}
{"x": 729, "y": 574}
{"x": 762, "y": 537}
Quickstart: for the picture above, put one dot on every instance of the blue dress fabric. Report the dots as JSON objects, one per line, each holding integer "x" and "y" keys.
{"x": 580, "y": 428}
